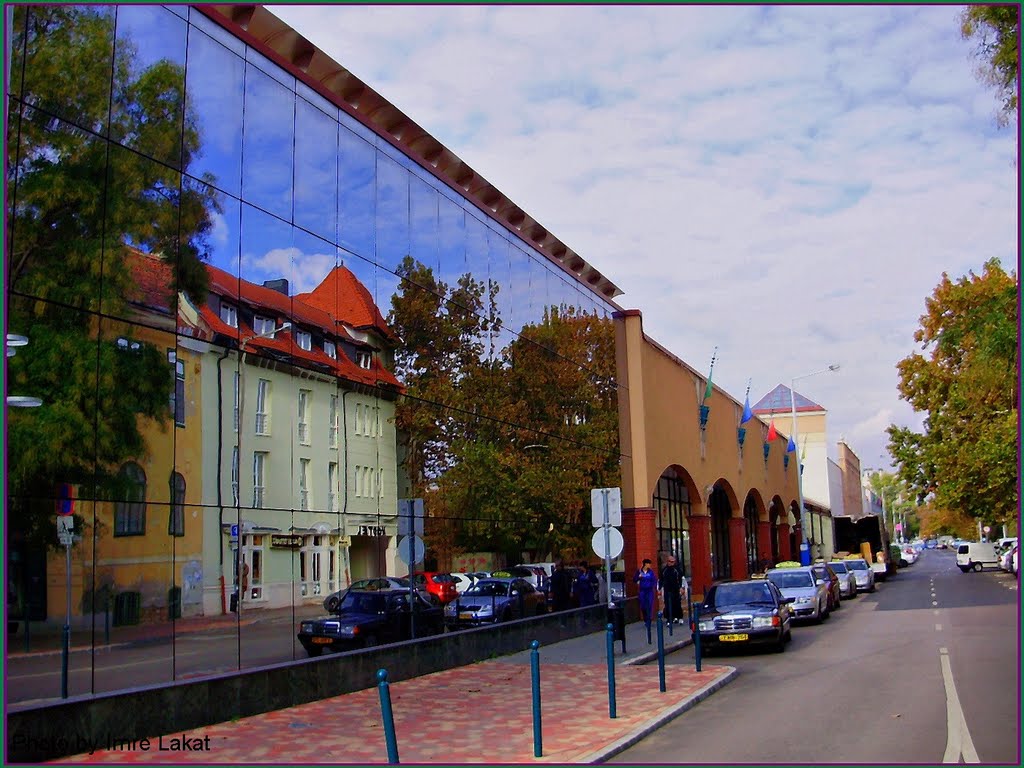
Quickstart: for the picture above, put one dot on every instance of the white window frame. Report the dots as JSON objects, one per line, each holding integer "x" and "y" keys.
{"x": 229, "y": 314}
{"x": 253, "y": 547}
{"x": 234, "y": 476}
{"x": 333, "y": 430}
{"x": 357, "y": 421}
{"x": 380, "y": 483}
{"x": 364, "y": 359}
{"x": 262, "y": 326}
{"x": 304, "y": 495}
{"x": 259, "y": 476}
{"x": 305, "y": 403}
{"x": 330, "y": 350}
{"x": 263, "y": 407}
{"x": 332, "y": 482}
{"x": 311, "y": 565}
{"x": 304, "y": 340}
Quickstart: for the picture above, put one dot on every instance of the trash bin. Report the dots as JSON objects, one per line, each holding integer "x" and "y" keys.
{"x": 174, "y": 603}
{"x": 617, "y": 618}
{"x": 234, "y": 601}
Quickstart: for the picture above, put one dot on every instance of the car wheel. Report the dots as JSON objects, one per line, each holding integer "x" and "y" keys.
{"x": 370, "y": 641}
{"x": 963, "y": 568}
{"x": 314, "y": 650}
{"x": 331, "y": 603}
{"x": 839, "y": 603}
{"x": 977, "y": 567}
{"x": 789, "y": 635}
{"x": 780, "y": 645}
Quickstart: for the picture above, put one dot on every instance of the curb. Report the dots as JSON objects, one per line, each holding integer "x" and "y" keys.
{"x": 649, "y": 656}
{"x": 627, "y": 741}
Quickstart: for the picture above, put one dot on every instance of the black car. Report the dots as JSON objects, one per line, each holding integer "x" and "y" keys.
{"x": 365, "y": 618}
{"x": 742, "y": 613}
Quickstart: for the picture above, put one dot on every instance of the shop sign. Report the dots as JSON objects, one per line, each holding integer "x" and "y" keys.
{"x": 286, "y": 541}
{"x": 371, "y": 530}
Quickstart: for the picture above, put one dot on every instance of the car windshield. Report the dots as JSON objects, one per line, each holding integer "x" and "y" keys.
{"x": 791, "y": 579}
{"x": 361, "y": 602}
{"x": 488, "y": 589}
{"x": 838, "y": 567}
{"x": 856, "y": 565}
{"x": 740, "y": 594}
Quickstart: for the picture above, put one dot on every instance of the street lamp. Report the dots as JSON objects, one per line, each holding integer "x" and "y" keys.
{"x": 796, "y": 438}
{"x": 241, "y": 426}
{"x": 12, "y": 341}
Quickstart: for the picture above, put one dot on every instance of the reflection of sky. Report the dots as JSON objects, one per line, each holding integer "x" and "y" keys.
{"x": 268, "y": 143}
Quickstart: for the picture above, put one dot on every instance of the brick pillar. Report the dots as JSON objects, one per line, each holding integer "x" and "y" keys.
{"x": 700, "y": 554}
{"x": 784, "y": 553}
{"x": 640, "y": 532}
{"x": 764, "y": 541}
{"x": 738, "y": 547}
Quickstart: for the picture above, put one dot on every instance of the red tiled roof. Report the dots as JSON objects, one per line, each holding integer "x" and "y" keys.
{"x": 344, "y": 296}
{"x": 152, "y": 281}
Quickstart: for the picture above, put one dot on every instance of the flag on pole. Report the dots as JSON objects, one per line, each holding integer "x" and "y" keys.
{"x": 707, "y": 389}
{"x": 792, "y": 445}
{"x": 747, "y": 413}
{"x": 803, "y": 451}
{"x": 772, "y": 434}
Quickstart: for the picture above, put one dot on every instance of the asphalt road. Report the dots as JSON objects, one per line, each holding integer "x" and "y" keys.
{"x": 884, "y": 680}
{"x": 37, "y": 677}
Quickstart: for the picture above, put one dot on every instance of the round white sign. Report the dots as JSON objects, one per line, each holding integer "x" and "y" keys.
{"x": 403, "y": 549}
{"x": 615, "y": 542}
{"x": 986, "y": 529}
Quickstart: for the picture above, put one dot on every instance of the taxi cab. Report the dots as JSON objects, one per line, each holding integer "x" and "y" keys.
{"x": 743, "y": 613}
{"x": 809, "y": 594}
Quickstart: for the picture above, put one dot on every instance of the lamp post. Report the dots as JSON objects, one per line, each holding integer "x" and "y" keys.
{"x": 241, "y": 426}
{"x": 796, "y": 438}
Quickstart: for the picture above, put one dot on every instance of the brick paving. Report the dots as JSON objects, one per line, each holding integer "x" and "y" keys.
{"x": 477, "y": 714}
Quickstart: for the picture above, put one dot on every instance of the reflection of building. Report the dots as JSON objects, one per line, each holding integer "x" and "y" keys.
{"x": 303, "y": 465}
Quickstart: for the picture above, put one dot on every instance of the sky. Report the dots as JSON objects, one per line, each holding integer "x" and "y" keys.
{"x": 784, "y": 183}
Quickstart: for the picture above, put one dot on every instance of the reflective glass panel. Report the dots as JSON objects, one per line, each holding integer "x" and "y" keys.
{"x": 268, "y": 141}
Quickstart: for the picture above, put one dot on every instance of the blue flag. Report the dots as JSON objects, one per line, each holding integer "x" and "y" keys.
{"x": 747, "y": 413}
{"x": 791, "y": 446}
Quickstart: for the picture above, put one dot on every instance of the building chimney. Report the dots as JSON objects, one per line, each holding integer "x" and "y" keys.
{"x": 280, "y": 285}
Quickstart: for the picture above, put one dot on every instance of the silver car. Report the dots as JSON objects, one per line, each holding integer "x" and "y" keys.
{"x": 862, "y": 572}
{"x": 847, "y": 581}
{"x": 810, "y": 595}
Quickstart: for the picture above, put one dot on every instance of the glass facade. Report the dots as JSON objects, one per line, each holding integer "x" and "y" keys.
{"x": 255, "y": 326}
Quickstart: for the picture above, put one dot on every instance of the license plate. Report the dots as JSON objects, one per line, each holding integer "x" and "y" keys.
{"x": 733, "y": 638}
{"x": 466, "y": 616}
{"x": 321, "y": 641}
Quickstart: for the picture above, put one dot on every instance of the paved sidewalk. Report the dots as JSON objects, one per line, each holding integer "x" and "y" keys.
{"x": 478, "y": 714}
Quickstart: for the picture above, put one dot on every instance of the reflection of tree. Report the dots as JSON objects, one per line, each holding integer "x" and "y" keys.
{"x": 76, "y": 203}
{"x": 519, "y": 478}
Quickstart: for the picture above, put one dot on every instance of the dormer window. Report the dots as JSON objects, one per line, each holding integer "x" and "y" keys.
{"x": 229, "y": 315}
{"x": 304, "y": 340}
{"x": 363, "y": 360}
{"x": 330, "y": 350}
{"x": 263, "y": 325}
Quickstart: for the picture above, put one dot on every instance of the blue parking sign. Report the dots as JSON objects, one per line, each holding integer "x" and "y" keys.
{"x": 234, "y": 531}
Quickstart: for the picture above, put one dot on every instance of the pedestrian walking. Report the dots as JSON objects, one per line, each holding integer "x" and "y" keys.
{"x": 585, "y": 587}
{"x": 647, "y": 580}
{"x": 672, "y": 590}
{"x": 561, "y": 587}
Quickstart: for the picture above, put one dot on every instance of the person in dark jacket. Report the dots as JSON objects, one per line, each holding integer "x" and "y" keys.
{"x": 561, "y": 588}
{"x": 585, "y": 586}
{"x": 672, "y": 590}
{"x": 647, "y": 580}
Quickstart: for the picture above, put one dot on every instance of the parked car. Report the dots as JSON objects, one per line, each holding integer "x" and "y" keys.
{"x": 810, "y": 594}
{"x": 333, "y": 600}
{"x": 975, "y": 555}
{"x": 1006, "y": 559}
{"x": 824, "y": 571}
{"x": 862, "y": 573}
{"x": 847, "y": 582}
{"x": 463, "y": 581}
{"x": 493, "y": 600}
{"x": 440, "y": 585}
{"x": 535, "y": 574}
{"x": 738, "y": 613}
{"x": 908, "y": 556}
{"x": 1007, "y": 541}
{"x": 366, "y": 618}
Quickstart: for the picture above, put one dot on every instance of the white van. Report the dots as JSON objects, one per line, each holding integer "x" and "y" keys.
{"x": 975, "y": 555}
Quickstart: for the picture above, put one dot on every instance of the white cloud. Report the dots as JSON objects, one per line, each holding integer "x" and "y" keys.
{"x": 785, "y": 182}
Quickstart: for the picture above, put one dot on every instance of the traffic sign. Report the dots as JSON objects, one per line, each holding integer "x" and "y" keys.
{"x": 597, "y": 502}
{"x": 410, "y": 509}
{"x": 418, "y": 550}
{"x": 65, "y": 499}
{"x": 986, "y": 529}
{"x": 615, "y": 543}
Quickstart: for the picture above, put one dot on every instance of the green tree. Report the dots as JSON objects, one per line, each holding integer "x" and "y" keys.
{"x": 77, "y": 203}
{"x": 995, "y": 29}
{"x": 966, "y": 459}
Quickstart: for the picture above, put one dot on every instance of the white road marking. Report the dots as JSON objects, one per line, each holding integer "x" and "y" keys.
{"x": 958, "y": 738}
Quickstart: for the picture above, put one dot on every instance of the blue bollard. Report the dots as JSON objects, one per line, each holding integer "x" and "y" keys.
{"x": 669, "y": 617}
{"x": 661, "y": 654}
{"x": 696, "y": 634}
{"x": 538, "y": 747}
{"x": 390, "y": 739}
{"x": 611, "y": 670}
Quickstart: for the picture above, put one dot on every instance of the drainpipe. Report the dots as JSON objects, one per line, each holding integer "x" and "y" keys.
{"x": 347, "y": 562}
{"x": 220, "y": 485}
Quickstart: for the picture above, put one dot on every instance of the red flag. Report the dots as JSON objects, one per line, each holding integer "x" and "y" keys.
{"x": 772, "y": 434}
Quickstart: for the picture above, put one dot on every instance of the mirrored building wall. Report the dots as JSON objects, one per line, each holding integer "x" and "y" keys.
{"x": 255, "y": 326}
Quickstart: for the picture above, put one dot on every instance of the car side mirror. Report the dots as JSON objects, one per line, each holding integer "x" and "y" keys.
{"x": 787, "y": 600}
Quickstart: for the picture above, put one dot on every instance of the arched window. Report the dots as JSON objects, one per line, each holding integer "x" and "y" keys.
{"x": 130, "y": 507}
{"x": 750, "y": 515}
{"x": 176, "y": 520}
{"x": 672, "y": 503}
{"x": 721, "y": 557}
